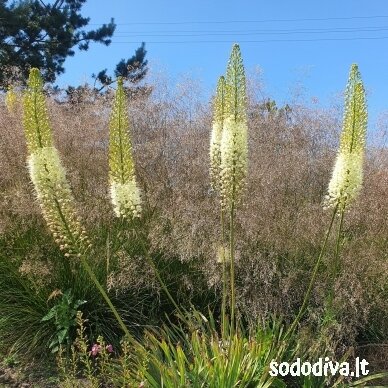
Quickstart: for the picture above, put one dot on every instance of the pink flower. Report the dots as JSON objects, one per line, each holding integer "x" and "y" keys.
{"x": 95, "y": 350}
{"x": 109, "y": 348}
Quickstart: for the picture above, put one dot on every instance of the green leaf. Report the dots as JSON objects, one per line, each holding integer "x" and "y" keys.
{"x": 50, "y": 315}
{"x": 62, "y": 334}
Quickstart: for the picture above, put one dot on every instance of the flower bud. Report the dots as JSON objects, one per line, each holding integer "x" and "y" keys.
{"x": 216, "y": 134}
{"x": 234, "y": 141}
{"x": 35, "y": 117}
{"x": 46, "y": 170}
{"x": 125, "y": 195}
{"x": 347, "y": 175}
{"x": 11, "y": 100}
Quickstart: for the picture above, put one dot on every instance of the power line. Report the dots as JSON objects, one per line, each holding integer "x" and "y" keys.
{"x": 252, "y": 21}
{"x": 312, "y": 30}
{"x": 237, "y": 21}
{"x": 255, "y": 41}
{"x": 240, "y": 41}
{"x": 243, "y": 33}
{"x": 5, "y": 20}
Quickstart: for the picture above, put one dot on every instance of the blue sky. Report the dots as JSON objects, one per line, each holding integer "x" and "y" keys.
{"x": 312, "y": 42}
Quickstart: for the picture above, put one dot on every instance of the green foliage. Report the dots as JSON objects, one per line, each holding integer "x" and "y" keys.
{"x": 133, "y": 69}
{"x": 64, "y": 316}
{"x": 197, "y": 356}
{"x": 96, "y": 363}
{"x": 269, "y": 109}
{"x": 25, "y": 295}
{"x": 193, "y": 354}
{"x": 43, "y": 34}
{"x": 22, "y": 308}
{"x": 177, "y": 355}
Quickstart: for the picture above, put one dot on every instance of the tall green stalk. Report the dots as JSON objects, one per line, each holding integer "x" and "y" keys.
{"x": 125, "y": 194}
{"x": 232, "y": 274}
{"x": 98, "y": 285}
{"x": 234, "y": 156}
{"x": 51, "y": 186}
{"x": 336, "y": 264}
{"x": 346, "y": 180}
{"x": 11, "y": 100}
{"x": 307, "y": 295}
{"x": 215, "y": 180}
{"x": 224, "y": 273}
{"x": 337, "y": 260}
{"x": 347, "y": 174}
{"x": 156, "y": 271}
{"x": 228, "y": 163}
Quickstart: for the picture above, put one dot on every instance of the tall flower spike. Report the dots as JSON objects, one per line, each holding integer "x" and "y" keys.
{"x": 125, "y": 194}
{"x": 216, "y": 134}
{"x": 236, "y": 95}
{"x": 11, "y": 99}
{"x": 53, "y": 191}
{"x": 47, "y": 173}
{"x": 35, "y": 117}
{"x": 56, "y": 200}
{"x": 347, "y": 175}
{"x": 234, "y": 142}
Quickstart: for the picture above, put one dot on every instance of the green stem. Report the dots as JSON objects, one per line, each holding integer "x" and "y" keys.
{"x": 313, "y": 277}
{"x": 105, "y": 296}
{"x": 224, "y": 277}
{"x": 153, "y": 266}
{"x": 90, "y": 271}
{"x": 108, "y": 253}
{"x": 232, "y": 275}
{"x": 336, "y": 263}
{"x": 162, "y": 283}
{"x": 338, "y": 244}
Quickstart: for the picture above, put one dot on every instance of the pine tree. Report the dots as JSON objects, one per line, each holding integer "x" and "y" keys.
{"x": 35, "y": 33}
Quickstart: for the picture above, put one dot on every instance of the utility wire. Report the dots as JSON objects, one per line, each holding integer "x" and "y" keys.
{"x": 254, "y": 41}
{"x": 291, "y": 31}
{"x": 5, "y": 20}
{"x": 234, "y": 41}
{"x": 243, "y": 33}
{"x": 252, "y": 21}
